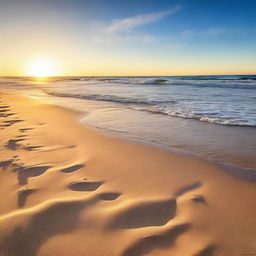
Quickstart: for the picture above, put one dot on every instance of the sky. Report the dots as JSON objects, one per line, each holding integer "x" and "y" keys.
{"x": 137, "y": 38}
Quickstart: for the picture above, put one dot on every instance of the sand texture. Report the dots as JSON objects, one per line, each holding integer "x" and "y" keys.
{"x": 67, "y": 190}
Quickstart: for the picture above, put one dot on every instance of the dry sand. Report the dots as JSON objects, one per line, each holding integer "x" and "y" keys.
{"x": 67, "y": 190}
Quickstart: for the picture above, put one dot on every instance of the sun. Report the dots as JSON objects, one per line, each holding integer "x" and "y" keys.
{"x": 41, "y": 68}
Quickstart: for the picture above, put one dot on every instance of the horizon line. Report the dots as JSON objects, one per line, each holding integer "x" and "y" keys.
{"x": 253, "y": 74}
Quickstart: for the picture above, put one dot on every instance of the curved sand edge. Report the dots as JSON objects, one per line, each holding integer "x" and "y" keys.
{"x": 68, "y": 190}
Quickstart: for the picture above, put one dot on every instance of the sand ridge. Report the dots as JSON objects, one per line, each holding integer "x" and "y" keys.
{"x": 65, "y": 189}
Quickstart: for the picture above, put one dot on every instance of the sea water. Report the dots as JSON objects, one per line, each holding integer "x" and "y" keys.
{"x": 200, "y": 114}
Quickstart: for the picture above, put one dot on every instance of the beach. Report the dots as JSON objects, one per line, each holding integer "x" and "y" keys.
{"x": 67, "y": 189}
{"x": 208, "y": 116}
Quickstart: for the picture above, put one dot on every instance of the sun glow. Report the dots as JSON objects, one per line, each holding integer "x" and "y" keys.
{"x": 42, "y": 68}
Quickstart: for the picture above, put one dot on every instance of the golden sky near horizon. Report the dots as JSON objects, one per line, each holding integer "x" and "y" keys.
{"x": 52, "y": 65}
{"x": 43, "y": 39}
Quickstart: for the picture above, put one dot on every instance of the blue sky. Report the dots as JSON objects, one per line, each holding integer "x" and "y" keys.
{"x": 130, "y": 37}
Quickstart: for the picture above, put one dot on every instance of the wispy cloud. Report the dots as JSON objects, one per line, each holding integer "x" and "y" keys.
{"x": 124, "y": 38}
{"x": 207, "y": 32}
{"x": 130, "y": 23}
{"x": 124, "y": 31}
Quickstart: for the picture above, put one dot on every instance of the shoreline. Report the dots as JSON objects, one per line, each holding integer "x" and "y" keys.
{"x": 209, "y": 153}
{"x": 82, "y": 115}
{"x": 231, "y": 145}
{"x": 244, "y": 173}
{"x": 106, "y": 131}
{"x": 63, "y": 182}
{"x": 198, "y": 144}
{"x": 119, "y": 135}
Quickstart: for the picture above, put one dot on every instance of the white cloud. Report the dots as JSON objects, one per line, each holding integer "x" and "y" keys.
{"x": 128, "y": 24}
{"x": 123, "y": 31}
{"x": 206, "y": 32}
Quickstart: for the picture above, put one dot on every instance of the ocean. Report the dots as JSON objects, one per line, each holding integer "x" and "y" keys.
{"x": 188, "y": 113}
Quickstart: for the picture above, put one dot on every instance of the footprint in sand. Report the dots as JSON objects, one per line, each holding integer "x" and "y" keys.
{"x": 72, "y": 168}
{"x": 85, "y": 185}
{"x": 144, "y": 214}
{"x": 8, "y": 123}
{"x": 21, "y": 136}
{"x": 13, "y": 121}
{"x": 6, "y": 114}
{"x": 4, "y": 164}
{"x": 108, "y": 196}
{"x": 156, "y": 213}
{"x": 58, "y": 217}
{"x": 53, "y": 218}
{"x": 13, "y": 144}
{"x": 26, "y": 172}
{"x": 25, "y": 129}
{"x": 4, "y": 125}
{"x": 32, "y": 148}
{"x": 3, "y": 110}
{"x": 23, "y": 194}
{"x": 10, "y": 162}
{"x": 4, "y": 107}
{"x": 139, "y": 214}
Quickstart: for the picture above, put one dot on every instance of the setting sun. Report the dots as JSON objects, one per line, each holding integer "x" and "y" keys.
{"x": 41, "y": 68}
